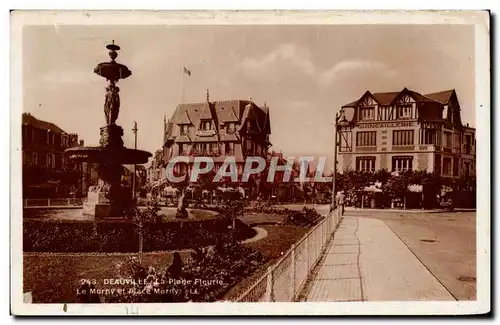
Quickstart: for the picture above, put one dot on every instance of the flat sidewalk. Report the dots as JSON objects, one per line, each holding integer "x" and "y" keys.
{"x": 366, "y": 261}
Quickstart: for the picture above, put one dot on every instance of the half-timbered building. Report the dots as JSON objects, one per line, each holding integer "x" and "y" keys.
{"x": 406, "y": 130}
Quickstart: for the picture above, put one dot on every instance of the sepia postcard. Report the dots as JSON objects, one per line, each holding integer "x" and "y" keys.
{"x": 250, "y": 163}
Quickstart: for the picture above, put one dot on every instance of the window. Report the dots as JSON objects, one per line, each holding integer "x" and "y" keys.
{"x": 437, "y": 164}
{"x": 402, "y": 163}
{"x": 366, "y": 113}
{"x": 229, "y": 148}
{"x": 467, "y": 169}
{"x": 48, "y": 137}
{"x": 404, "y": 111}
{"x": 366, "y": 139}
{"x": 447, "y": 166}
{"x": 181, "y": 148}
{"x": 402, "y": 138}
{"x": 206, "y": 125}
{"x": 445, "y": 112}
{"x": 456, "y": 141}
{"x": 248, "y": 145}
{"x": 230, "y": 127}
{"x": 50, "y": 160}
{"x": 447, "y": 139}
{"x": 365, "y": 164}
{"x": 468, "y": 144}
{"x": 184, "y": 129}
{"x": 455, "y": 166}
{"x": 429, "y": 136}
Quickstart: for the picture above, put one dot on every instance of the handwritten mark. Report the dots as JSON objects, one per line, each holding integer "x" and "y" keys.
{"x": 65, "y": 307}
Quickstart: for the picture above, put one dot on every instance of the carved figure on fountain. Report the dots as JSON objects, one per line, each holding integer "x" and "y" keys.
{"x": 112, "y": 104}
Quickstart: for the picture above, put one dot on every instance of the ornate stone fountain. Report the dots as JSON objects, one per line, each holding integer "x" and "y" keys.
{"x": 109, "y": 198}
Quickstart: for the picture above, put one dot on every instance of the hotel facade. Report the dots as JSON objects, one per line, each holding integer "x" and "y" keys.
{"x": 216, "y": 129}
{"x": 406, "y": 130}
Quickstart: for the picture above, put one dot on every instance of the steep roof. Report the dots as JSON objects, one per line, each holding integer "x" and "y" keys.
{"x": 387, "y": 98}
{"x": 29, "y": 119}
{"x": 221, "y": 112}
{"x": 443, "y": 96}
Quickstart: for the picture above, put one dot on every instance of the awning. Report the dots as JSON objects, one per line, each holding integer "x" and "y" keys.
{"x": 415, "y": 188}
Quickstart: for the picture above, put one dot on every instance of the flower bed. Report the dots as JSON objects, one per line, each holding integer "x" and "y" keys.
{"x": 122, "y": 236}
{"x": 205, "y": 276}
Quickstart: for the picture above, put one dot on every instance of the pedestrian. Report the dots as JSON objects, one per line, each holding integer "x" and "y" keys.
{"x": 341, "y": 202}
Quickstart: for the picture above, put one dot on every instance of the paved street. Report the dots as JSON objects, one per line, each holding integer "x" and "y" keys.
{"x": 445, "y": 242}
{"x": 367, "y": 261}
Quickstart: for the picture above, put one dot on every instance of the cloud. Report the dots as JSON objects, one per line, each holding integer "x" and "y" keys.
{"x": 348, "y": 66}
{"x": 286, "y": 55}
{"x": 288, "y": 58}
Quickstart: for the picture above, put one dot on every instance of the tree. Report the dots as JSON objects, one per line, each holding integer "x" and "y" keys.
{"x": 396, "y": 186}
{"x": 234, "y": 209}
{"x": 140, "y": 217}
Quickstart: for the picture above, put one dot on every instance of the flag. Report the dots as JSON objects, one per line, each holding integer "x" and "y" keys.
{"x": 186, "y": 71}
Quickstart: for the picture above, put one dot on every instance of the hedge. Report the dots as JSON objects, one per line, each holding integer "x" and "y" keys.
{"x": 122, "y": 236}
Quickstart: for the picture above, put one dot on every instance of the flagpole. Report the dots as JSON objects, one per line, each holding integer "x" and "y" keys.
{"x": 182, "y": 84}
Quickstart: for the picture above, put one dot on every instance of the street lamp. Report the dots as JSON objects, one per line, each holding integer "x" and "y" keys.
{"x": 337, "y": 124}
{"x": 135, "y": 129}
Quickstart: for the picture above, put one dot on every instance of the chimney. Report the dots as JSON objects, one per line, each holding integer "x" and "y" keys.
{"x": 81, "y": 143}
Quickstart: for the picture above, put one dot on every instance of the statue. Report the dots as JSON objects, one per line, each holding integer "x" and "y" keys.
{"x": 181, "y": 208}
{"x": 112, "y": 104}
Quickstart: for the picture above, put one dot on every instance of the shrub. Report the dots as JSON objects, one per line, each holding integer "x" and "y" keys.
{"x": 122, "y": 236}
{"x": 205, "y": 277}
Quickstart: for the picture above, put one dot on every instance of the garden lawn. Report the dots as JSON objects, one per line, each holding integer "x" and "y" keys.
{"x": 278, "y": 241}
{"x": 56, "y": 278}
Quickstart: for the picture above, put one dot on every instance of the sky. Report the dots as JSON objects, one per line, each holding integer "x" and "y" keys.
{"x": 303, "y": 73}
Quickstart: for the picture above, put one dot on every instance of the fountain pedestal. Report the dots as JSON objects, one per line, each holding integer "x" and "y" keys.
{"x": 109, "y": 199}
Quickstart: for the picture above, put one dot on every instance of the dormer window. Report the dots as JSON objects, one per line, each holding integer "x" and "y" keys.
{"x": 404, "y": 111}
{"x": 206, "y": 125}
{"x": 184, "y": 129}
{"x": 366, "y": 113}
{"x": 230, "y": 127}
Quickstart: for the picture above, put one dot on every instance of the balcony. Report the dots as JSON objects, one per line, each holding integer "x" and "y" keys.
{"x": 366, "y": 148}
{"x": 201, "y": 153}
{"x": 403, "y": 148}
{"x": 205, "y": 133}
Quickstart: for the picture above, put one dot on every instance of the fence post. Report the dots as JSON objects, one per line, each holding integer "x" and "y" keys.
{"x": 270, "y": 284}
{"x": 48, "y": 202}
{"x": 68, "y": 201}
{"x": 294, "y": 273}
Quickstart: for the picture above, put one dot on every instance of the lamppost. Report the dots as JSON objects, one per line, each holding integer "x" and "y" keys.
{"x": 335, "y": 144}
{"x": 135, "y": 129}
{"x": 338, "y": 115}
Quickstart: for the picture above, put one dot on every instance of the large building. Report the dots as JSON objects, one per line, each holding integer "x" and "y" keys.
{"x": 43, "y": 146}
{"x": 406, "y": 130}
{"x": 217, "y": 129}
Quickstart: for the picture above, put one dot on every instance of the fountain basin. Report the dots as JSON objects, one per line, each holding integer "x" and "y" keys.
{"x": 123, "y": 155}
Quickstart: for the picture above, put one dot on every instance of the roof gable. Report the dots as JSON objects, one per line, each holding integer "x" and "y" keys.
{"x": 29, "y": 119}
{"x": 443, "y": 96}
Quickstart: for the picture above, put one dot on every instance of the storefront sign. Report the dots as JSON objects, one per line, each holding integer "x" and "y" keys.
{"x": 386, "y": 125}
